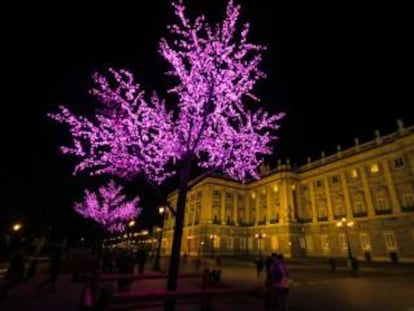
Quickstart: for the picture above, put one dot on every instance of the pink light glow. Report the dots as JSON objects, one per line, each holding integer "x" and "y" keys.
{"x": 108, "y": 207}
{"x": 215, "y": 69}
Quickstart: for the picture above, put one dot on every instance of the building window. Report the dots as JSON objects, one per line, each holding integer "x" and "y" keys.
{"x": 274, "y": 206}
{"x": 390, "y": 240}
{"x": 216, "y": 205}
{"x": 242, "y": 243}
{"x": 318, "y": 183}
{"x": 302, "y": 243}
{"x": 322, "y": 211}
{"x": 354, "y": 173}
{"x": 374, "y": 168}
{"x": 339, "y": 206}
{"x": 365, "y": 241}
{"x": 359, "y": 204}
{"x": 230, "y": 243}
{"x": 381, "y": 202}
{"x": 309, "y": 242}
{"x": 325, "y": 242}
{"x": 398, "y": 162}
{"x": 250, "y": 241}
{"x": 228, "y": 205}
{"x": 408, "y": 199}
{"x": 342, "y": 241}
{"x": 335, "y": 179}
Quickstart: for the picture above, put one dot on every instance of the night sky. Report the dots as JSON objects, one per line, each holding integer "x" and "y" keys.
{"x": 339, "y": 71}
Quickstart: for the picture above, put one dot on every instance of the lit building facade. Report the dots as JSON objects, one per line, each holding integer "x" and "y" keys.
{"x": 295, "y": 210}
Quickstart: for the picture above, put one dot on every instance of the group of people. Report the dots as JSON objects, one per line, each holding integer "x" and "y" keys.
{"x": 124, "y": 262}
{"x": 23, "y": 267}
{"x": 276, "y": 281}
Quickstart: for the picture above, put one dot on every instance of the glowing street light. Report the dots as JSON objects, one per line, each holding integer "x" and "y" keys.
{"x": 17, "y": 226}
{"x": 131, "y": 224}
{"x": 343, "y": 223}
{"x": 162, "y": 211}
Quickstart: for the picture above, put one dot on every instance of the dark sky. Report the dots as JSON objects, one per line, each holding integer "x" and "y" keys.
{"x": 338, "y": 70}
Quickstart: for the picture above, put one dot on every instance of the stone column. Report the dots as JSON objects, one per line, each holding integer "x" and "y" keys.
{"x": 223, "y": 207}
{"x": 367, "y": 191}
{"x": 268, "y": 205}
{"x": 291, "y": 205}
{"x": 345, "y": 189}
{"x": 328, "y": 198}
{"x": 235, "y": 207}
{"x": 206, "y": 213}
{"x": 396, "y": 207}
{"x": 313, "y": 203}
{"x": 283, "y": 217}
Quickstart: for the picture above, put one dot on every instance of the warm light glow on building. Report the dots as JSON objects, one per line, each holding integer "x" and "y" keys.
{"x": 354, "y": 173}
{"x": 374, "y": 168}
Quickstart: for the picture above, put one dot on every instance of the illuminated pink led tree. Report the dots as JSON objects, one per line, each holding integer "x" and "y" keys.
{"x": 215, "y": 69}
{"x": 108, "y": 207}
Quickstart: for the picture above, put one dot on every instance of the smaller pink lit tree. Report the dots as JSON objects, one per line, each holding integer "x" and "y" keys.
{"x": 108, "y": 207}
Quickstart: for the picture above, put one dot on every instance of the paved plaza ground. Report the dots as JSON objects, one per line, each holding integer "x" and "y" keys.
{"x": 314, "y": 287}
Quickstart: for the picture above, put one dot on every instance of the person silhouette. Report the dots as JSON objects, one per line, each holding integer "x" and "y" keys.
{"x": 54, "y": 268}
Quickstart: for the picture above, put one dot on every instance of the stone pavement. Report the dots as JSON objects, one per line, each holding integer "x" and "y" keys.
{"x": 23, "y": 297}
{"x": 310, "y": 282}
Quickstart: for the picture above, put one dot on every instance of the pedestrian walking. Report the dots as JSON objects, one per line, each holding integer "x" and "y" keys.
{"x": 259, "y": 267}
{"x": 332, "y": 263}
{"x": 54, "y": 268}
{"x": 280, "y": 276}
{"x": 354, "y": 265}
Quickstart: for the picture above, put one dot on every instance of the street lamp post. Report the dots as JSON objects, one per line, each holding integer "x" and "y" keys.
{"x": 131, "y": 224}
{"x": 344, "y": 223}
{"x": 201, "y": 250}
{"x": 212, "y": 238}
{"x": 260, "y": 236}
{"x": 157, "y": 267}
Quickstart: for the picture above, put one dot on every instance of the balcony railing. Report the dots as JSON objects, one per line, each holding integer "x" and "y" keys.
{"x": 216, "y": 221}
{"x": 274, "y": 221}
{"x": 304, "y": 220}
{"x": 230, "y": 222}
{"x": 383, "y": 212}
{"x": 324, "y": 218}
{"x": 245, "y": 224}
{"x": 360, "y": 214}
{"x": 407, "y": 208}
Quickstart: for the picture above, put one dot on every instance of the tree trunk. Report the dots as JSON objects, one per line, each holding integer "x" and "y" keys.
{"x": 178, "y": 232}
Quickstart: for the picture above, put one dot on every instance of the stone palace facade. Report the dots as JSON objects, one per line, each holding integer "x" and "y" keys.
{"x": 296, "y": 210}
